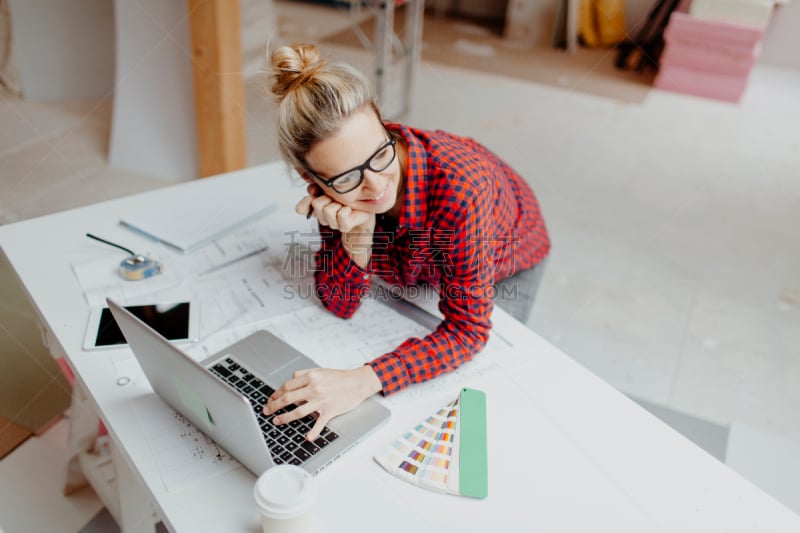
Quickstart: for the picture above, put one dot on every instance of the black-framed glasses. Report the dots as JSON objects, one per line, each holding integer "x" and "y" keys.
{"x": 351, "y": 179}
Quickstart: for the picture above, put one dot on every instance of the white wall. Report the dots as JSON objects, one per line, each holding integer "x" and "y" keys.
{"x": 153, "y": 126}
{"x": 781, "y": 44}
{"x": 137, "y": 52}
{"x": 64, "y": 50}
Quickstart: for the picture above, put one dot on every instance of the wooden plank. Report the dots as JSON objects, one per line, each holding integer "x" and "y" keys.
{"x": 218, "y": 85}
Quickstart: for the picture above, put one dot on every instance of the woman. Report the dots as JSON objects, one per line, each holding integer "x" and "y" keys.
{"x": 410, "y": 206}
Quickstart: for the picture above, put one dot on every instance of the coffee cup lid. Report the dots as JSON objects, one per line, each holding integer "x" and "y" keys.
{"x": 285, "y": 491}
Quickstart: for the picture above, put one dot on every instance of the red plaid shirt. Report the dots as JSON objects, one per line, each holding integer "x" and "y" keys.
{"x": 468, "y": 220}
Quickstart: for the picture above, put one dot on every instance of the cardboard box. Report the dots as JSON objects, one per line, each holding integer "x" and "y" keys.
{"x": 33, "y": 390}
{"x": 750, "y": 12}
{"x": 710, "y": 57}
{"x": 688, "y": 28}
{"x": 11, "y": 436}
{"x": 726, "y": 87}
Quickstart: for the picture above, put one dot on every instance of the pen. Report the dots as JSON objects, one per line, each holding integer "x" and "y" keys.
{"x": 232, "y": 261}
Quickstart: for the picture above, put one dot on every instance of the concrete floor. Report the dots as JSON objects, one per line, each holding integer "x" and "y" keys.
{"x": 675, "y": 272}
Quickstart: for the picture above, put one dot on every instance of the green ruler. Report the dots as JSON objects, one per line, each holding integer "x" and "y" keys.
{"x": 473, "y": 466}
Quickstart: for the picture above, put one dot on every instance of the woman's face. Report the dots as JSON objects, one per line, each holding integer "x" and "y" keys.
{"x": 354, "y": 144}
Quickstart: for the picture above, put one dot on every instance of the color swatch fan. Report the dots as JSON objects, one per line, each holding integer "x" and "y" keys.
{"x": 447, "y": 451}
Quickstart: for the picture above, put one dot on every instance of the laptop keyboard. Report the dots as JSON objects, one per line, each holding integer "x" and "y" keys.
{"x": 287, "y": 442}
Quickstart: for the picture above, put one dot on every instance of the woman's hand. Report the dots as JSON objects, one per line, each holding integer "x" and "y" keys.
{"x": 333, "y": 214}
{"x": 357, "y": 227}
{"x": 323, "y": 391}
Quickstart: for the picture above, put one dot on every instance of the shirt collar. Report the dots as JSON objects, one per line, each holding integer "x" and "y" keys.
{"x": 414, "y": 212}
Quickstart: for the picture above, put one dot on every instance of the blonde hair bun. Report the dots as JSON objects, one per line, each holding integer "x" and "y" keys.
{"x": 293, "y": 66}
{"x": 314, "y": 98}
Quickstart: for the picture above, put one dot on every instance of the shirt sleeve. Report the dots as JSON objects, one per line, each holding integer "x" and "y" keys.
{"x": 340, "y": 283}
{"x": 465, "y": 299}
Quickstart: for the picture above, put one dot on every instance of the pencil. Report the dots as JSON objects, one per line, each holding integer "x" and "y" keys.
{"x": 233, "y": 261}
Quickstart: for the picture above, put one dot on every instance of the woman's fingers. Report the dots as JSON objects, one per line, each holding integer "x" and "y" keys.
{"x": 356, "y": 219}
{"x": 326, "y": 392}
{"x": 318, "y": 205}
{"x": 329, "y": 212}
{"x": 350, "y": 219}
{"x": 296, "y": 414}
{"x": 288, "y": 393}
{"x": 319, "y": 425}
{"x": 303, "y": 206}
{"x": 343, "y": 218}
{"x": 278, "y": 402}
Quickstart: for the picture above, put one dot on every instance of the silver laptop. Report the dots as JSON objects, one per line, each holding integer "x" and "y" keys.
{"x": 224, "y": 394}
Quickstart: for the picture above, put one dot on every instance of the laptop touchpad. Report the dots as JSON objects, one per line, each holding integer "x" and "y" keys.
{"x": 271, "y": 358}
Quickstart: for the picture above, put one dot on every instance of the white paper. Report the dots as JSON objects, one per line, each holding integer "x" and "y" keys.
{"x": 250, "y": 291}
{"x": 188, "y": 220}
{"x": 182, "y": 453}
{"x": 99, "y": 278}
{"x": 335, "y": 342}
{"x": 270, "y": 290}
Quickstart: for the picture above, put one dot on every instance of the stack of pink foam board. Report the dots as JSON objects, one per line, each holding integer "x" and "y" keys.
{"x": 710, "y": 58}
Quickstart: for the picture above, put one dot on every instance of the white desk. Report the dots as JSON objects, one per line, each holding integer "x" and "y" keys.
{"x": 567, "y": 452}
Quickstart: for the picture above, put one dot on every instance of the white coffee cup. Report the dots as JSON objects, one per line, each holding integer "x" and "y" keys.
{"x": 285, "y": 497}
